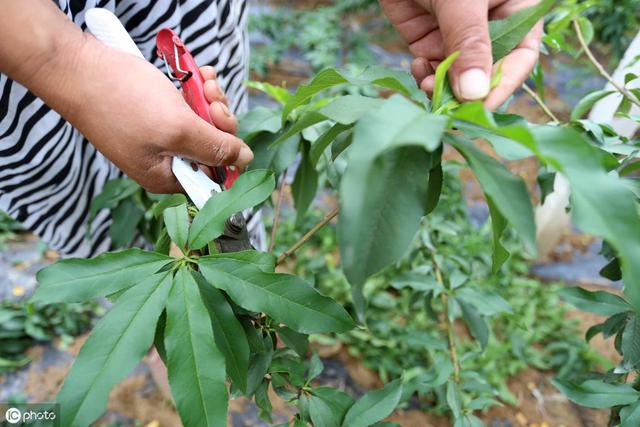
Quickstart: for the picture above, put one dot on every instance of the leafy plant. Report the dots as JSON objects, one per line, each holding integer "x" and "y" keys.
{"x": 406, "y": 332}
{"x": 23, "y": 324}
{"x": 8, "y": 227}
{"x": 216, "y": 317}
{"x": 324, "y": 35}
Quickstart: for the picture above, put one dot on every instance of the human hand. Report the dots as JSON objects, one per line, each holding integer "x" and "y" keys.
{"x": 137, "y": 118}
{"x": 435, "y": 29}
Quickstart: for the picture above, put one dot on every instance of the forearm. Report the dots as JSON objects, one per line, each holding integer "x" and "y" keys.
{"x": 41, "y": 49}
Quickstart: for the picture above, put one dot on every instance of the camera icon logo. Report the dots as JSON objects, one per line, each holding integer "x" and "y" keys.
{"x": 13, "y": 415}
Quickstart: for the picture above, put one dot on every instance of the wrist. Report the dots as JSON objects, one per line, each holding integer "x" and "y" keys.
{"x": 43, "y": 50}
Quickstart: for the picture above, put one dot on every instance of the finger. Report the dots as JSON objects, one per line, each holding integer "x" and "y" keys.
{"x": 222, "y": 117}
{"x": 465, "y": 28}
{"x": 420, "y": 68}
{"x": 430, "y": 47}
{"x": 428, "y": 83}
{"x": 208, "y": 72}
{"x": 213, "y": 92}
{"x": 516, "y": 68}
{"x": 159, "y": 178}
{"x": 205, "y": 144}
{"x": 412, "y": 20}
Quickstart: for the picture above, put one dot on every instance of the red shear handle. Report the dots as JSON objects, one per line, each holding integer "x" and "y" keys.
{"x": 184, "y": 68}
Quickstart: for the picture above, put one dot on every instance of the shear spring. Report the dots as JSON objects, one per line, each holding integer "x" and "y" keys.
{"x": 186, "y": 74}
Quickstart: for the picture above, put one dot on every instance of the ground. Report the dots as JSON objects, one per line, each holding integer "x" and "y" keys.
{"x": 137, "y": 398}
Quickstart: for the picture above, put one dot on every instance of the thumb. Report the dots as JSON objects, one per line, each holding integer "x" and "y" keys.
{"x": 464, "y": 25}
{"x": 210, "y": 146}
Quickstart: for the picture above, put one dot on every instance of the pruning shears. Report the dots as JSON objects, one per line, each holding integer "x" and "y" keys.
{"x": 181, "y": 67}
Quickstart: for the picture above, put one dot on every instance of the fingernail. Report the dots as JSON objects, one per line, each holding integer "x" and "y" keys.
{"x": 245, "y": 156}
{"x": 474, "y": 84}
{"x": 225, "y": 109}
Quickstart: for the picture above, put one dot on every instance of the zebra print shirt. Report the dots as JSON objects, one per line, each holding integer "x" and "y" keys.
{"x": 49, "y": 172}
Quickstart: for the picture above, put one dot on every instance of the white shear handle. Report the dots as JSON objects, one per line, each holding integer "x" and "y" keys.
{"x": 107, "y": 28}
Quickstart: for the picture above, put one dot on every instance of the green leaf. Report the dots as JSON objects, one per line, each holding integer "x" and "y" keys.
{"x": 417, "y": 282}
{"x": 546, "y": 181}
{"x": 196, "y": 366}
{"x": 586, "y": 27}
{"x": 614, "y": 324}
{"x": 280, "y": 94}
{"x": 453, "y": 399}
{"x": 263, "y": 402}
{"x": 305, "y": 184}
{"x": 374, "y": 406}
{"x": 586, "y": 103}
{"x": 441, "y": 80}
{"x": 507, "y": 33}
{"x": 163, "y": 243}
{"x": 294, "y": 340}
{"x": 158, "y": 338}
{"x": 630, "y": 415}
{"x": 319, "y": 145}
{"x": 323, "y": 80}
{"x": 176, "y": 219}
{"x": 264, "y": 261}
{"x": 261, "y": 356}
{"x": 327, "y": 406}
{"x": 168, "y": 201}
{"x": 126, "y": 217}
{"x": 308, "y": 119}
{"x": 599, "y": 302}
{"x": 348, "y": 109}
{"x": 498, "y": 226}
{"x": 227, "y": 331}
{"x": 76, "y": 280}
{"x": 597, "y": 394}
{"x": 487, "y": 302}
{"x": 507, "y": 193}
{"x": 258, "y": 120}
{"x": 389, "y": 151}
{"x": 112, "y": 193}
{"x": 434, "y": 188}
{"x": 315, "y": 367}
{"x": 476, "y": 323}
{"x": 631, "y": 343}
{"x": 113, "y": 349}
{"x": 477, "y": 122}
{"x": 288, "y": 299}
{"x": 250, "y": 189}
{"x": 399, "y": 81}
{"x": 396, "y": 80}
{"x": 277, "y": 159}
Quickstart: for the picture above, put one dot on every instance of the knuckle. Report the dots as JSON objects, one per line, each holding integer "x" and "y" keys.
{"x": 470, "y": 40}
{"x": 226, "y": 151}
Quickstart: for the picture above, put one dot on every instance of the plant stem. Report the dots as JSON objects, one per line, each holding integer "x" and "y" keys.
{"x": 328, "y": 217}
{"x": 532, "y": 93}
{"x": 453, "y": 352}
{"x": 600, "y": 68}
{"x": 276, "y": 218}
